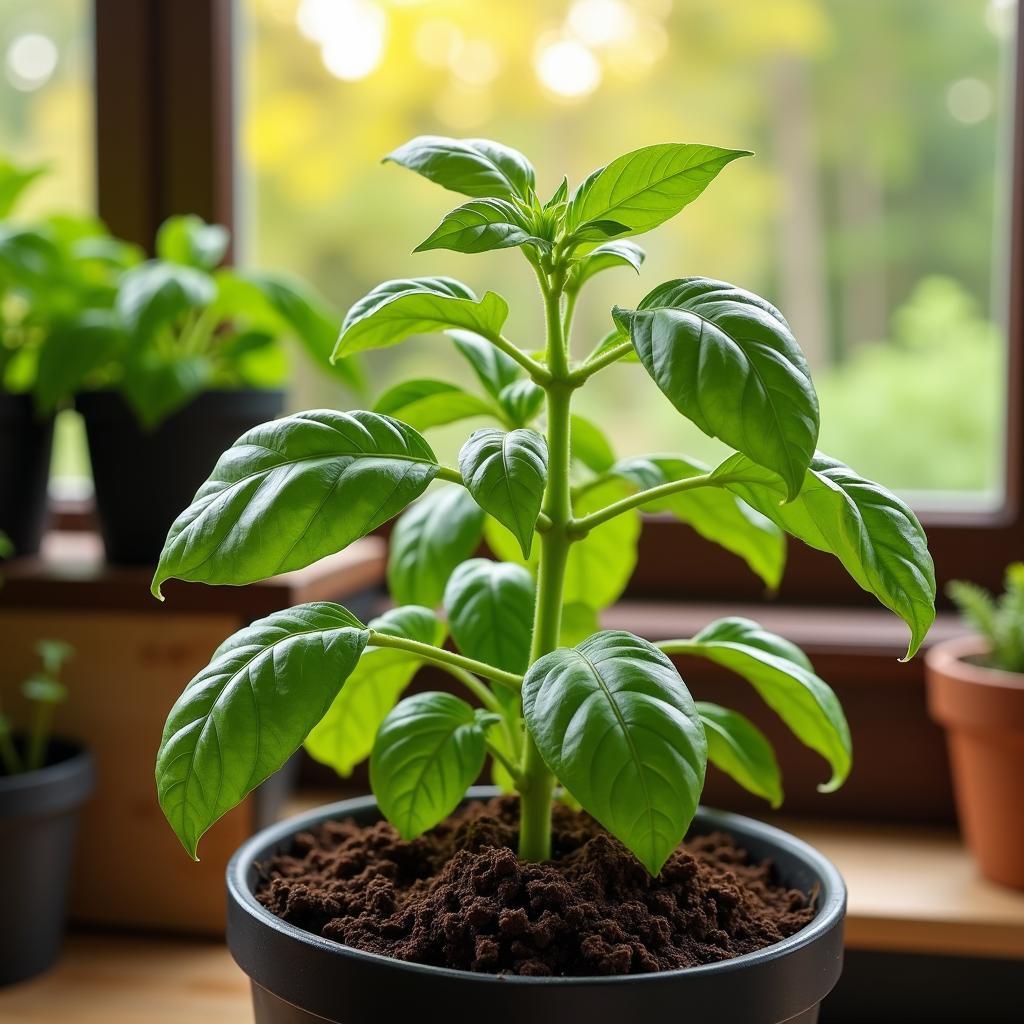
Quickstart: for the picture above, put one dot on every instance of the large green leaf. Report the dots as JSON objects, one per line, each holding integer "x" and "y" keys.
{"x": 645, "y": 188}
{"x": 429, "y": 540}
{"x": 873, "y": 533}
{"x": 617, "y": 726}
{"x": 715, "y": 513}
{"x": 345, "y": 735}
{"x": 506, "y": 474}
{"x": 190, "y": 241}
{"x": 418, "y": 305}
{"x": 483, "y": 225}
{"x": 248, "y": 711}
{"x": 785, "y": 681}
{"x": 727, "y": 360}
{"x": 428, "y": 751}
{"x": 493, "y": 368}
{"x": 741, "y": 750}
{"x": 605, "y": 257}
{"x": 431, "y": 403}
{"x": 474, "y": 167}
{"x": 292, "y": 491}
{"x": 490, "y": 610}
{"x": 155, "y": 294}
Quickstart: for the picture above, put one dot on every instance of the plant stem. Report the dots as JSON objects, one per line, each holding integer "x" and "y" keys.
{"x": 498, "y": 756}
{"x": 446, "y": 658}
{"x": 608, "y": 356}
{"x": 39, "y": 733}
{"x": 475, "y": 687}
{"x": 538, "y": 371}
{"x": 536, "y": 783}
{"x": 581, "y": 526}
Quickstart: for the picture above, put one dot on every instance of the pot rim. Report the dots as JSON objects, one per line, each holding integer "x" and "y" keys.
{"x": 948, "y": 658}
{"x": 831, "y": 903}
{"x": 52, "y": 789}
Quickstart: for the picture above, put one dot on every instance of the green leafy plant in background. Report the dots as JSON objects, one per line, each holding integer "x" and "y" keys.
{"x": 999, "y": 620}
{"x": 43, "y": 692}
{"x": 560, "y": 705}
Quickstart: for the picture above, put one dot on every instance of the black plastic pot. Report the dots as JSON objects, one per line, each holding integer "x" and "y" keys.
{"x": 26, "y": 441}
{"x": 38, "y": 821}
{"x": 301, "y": 978}
{"x": 144, "y": 478}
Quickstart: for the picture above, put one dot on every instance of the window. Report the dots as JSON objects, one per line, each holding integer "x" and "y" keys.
{"x": 875, "y": 213}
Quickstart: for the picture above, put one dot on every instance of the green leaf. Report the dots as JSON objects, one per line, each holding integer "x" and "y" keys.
{"x": 559, "y": 195}
{"x": 506, "y": 474}
{"x": 727, "y": 360}
{"x": 248, "y": 711}
{"x": 155, "y": 294}
{"x": 431, "y": 403}
{"x": 188, "y": 240}
{"x": 521, "y": 401}
{"x": 429, "y": 540}
{"x": 493, "y": 368}
{"x": 428, "y": 751}
{"x": 606, "y": 257}
{"x": 490, "y": 610}
{"x": 715, "y": 513}
{"x": 155, "y": 386}
{"x": 71, "y": 352}
{"x": 613, "y": 339}
{"x": 617, "y": 726}
{"x": 578, "y": 622}
{"x": 474, "y": 167}
{"x": 742, "y": 751}
{"x": 785, "y": 681}
{"x": 345, "y": 735}
{"x": 648, "y": 186}
{"x": 418, "y": 305}
{"x": 292, "y": 491}
{"x": 873, "y": 533}
{"x": 598, "y": 231}
{"x": 483, "y": 225}
{"x": 14, "y": 180}
{"x": 590, "y": 446}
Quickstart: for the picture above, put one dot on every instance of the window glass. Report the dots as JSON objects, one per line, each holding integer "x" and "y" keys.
{"x": 874, "y": 213}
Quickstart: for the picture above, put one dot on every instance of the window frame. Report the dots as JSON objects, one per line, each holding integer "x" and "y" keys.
{"x": 165, "y": 144}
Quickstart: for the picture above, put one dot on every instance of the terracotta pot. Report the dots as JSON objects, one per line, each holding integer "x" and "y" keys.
{"x": 982, "y": 710}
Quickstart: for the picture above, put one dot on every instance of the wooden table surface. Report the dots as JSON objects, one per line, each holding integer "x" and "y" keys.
{"x": 910, "y": 890}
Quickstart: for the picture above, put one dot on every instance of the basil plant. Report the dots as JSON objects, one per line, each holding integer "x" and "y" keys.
{"x": 562, "y": 707}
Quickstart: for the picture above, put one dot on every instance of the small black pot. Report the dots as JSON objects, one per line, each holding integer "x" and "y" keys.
{"x": 38, "y": 821}
{"x": 301, "y": 978}
{"x": 144, "y": 478}
{"x": 26, "y": 440}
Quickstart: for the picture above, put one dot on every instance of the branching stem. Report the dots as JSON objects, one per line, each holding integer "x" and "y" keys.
{"x": 439, "y": 656}
{"x": 582, "y": 526}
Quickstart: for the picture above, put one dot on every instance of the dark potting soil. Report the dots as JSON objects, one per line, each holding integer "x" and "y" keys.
{"x": 459, "y": 897}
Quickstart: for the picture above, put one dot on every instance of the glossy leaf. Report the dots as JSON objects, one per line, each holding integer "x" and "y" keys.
{"x": 474, "y": 167}
{"x": 606, "y": 257}
{"x": 727, "y": 360}
{"x": 345, "y": 735}
{"x": 590, "y": 446}
{"x": 292, "y": 491}
{"x": 873, "y": 533}
{"x": 429, "y": 540}
{"x": 493, "y": 368}
{"x": 428, "y": 751}
{"x": 190, "y": 241}
{"x": 490, "y": 611}
{"x": 737, "y": 747}
{"x": 785, "y": 681}
{"x": 248, "y": 711}
{"x": 645, "y": 188}
{"x": 430, "y": 403}
{"x": 521, "y": 401}
{"x": 617, "y": 726}
{"x": 506, "y": 474}
{"x": 715, "y": 513}
{"x": 418, "y": 305}
{"x": 483, "y": 225}
{"x": 155, "y": 294}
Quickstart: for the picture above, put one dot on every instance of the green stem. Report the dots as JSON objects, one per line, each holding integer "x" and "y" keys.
{"x": 581, "y": 526}
{"x": 591, "y": 366}
{"x": 475, "y": 687}
{"x": 538, "y": 372}
{"x": 39, "y": 733}
{"x": 439, "y": 656}
{"x": 536, "y": 783}
{"x": 499, "y": 756}
{"x": 677, "y": 646}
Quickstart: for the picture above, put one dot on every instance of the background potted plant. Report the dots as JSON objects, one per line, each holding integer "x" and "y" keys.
{"x": 43, "y": 783}
{"x": 568, "y": 713}
{"x": 192, "y": 357}
{"x": 976, "y": 692}
{"x": 53, "y": 272}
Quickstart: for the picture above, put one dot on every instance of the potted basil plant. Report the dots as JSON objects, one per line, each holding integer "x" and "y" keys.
{"x": 44, "y": 781}
{"x": 54, "y": 271}
{"x": 595, "y": 888}
{"x": 191, "y": 358}
{"x": 976, "y": 692}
